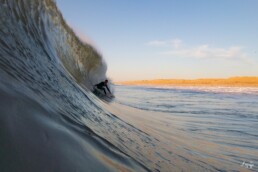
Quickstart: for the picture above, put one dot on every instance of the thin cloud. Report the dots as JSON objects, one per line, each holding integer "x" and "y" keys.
{"x": 175, "y": 43}
{"x": 157, "y": 43}
{"x": 205, "y": 51}
{"x": 176, "y": 48}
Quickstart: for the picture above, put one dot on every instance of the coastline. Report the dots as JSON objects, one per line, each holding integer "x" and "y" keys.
{"x": 216, "y": 82}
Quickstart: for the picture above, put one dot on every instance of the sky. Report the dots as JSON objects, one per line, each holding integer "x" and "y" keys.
{"x": 169, "y": 39}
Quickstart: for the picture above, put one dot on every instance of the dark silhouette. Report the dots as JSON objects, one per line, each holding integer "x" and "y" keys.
{"x": 102, "y": 86}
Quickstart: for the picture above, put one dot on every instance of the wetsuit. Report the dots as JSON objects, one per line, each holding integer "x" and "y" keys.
{"x": 101, "y": 86}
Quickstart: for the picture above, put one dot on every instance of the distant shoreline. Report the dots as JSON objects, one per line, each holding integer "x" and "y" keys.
{"x": 227, "y": 82}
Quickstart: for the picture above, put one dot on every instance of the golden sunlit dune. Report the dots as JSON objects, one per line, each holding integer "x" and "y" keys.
{"x": 233, "y": 81}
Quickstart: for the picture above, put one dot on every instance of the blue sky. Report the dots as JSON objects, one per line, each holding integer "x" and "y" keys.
{"x": 151, "y": 39}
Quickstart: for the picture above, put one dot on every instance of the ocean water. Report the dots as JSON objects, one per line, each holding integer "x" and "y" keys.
{"x": 217, "y": 126}
{"x": 51, "y": 121}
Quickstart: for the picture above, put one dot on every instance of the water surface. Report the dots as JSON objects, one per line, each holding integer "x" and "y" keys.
{"x": 215, "y": 126}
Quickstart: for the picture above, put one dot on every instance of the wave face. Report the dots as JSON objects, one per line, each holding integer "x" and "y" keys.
{"x": 48, "y": 122}
{"x": 38, "y": 28}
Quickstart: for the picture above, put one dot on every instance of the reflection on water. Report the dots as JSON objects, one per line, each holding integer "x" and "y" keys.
{"x": 212, "y": 126}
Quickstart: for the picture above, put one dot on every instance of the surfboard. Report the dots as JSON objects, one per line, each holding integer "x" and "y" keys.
{"x": 99, "y": 93}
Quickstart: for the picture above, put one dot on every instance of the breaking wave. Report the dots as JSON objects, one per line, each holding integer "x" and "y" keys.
{"x": 50, "y": 120}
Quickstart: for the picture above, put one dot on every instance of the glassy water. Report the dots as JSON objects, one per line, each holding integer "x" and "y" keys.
{"x": 220, "y": 123}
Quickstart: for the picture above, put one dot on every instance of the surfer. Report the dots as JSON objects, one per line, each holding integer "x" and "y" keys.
{"x": 102, "y": 86}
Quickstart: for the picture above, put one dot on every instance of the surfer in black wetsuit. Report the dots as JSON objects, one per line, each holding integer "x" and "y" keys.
{"x": 102, "y": 86}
